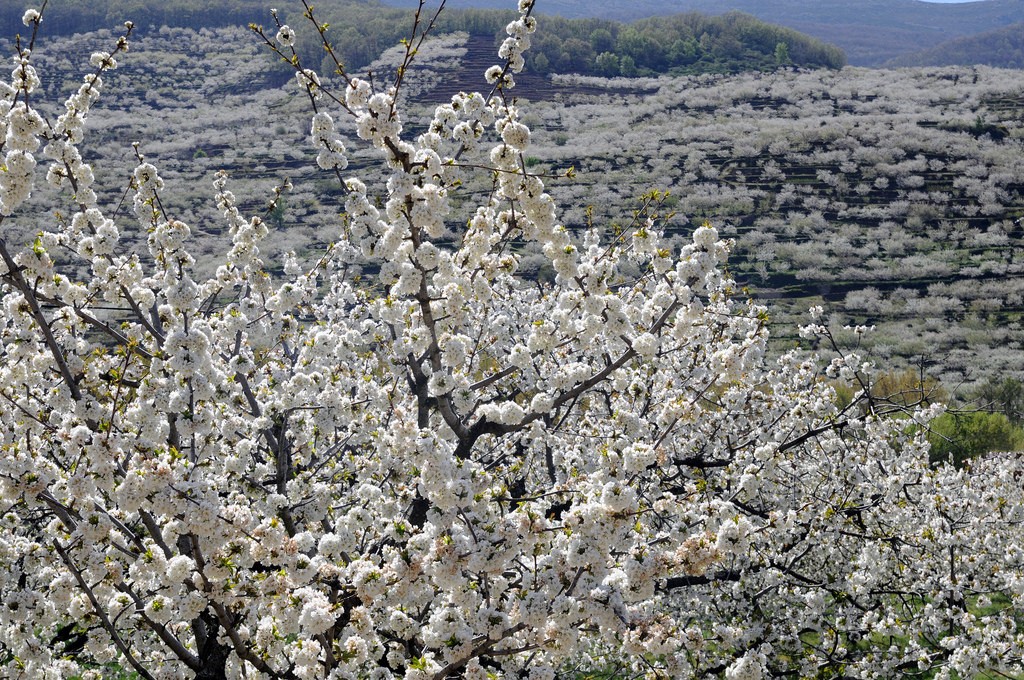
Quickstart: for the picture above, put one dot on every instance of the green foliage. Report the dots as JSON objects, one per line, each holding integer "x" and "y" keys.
{"x": 844, "y": 394}
{"x": 782, "y": 54}
{"x": 79, "y": 16}
{"x": 955, "y": 436}
{"x": 627, "y": 66}
{"x": 693, "y": 43}
{"x": 607, "y": 64}
{"x": 689, "y": 43}
{"x": 541, "y": 64}
{"x": 602, "y": 40}
{"x": 959, "y": 437}
{"x": 362, "y": 29}
{"x": 962, "y": 436}
{"x": 276, "y": 216}
{"x": 1004, "y": 396}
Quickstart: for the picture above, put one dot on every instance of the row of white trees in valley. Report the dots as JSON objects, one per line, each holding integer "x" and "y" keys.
{"x": 448, "y": 472}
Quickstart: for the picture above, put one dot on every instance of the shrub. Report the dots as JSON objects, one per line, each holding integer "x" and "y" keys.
{"x": 961, "y": 437}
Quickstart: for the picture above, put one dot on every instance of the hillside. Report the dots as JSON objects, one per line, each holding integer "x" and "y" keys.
{"x": 80, "y": 16}
{"x": 677, "y": 44}
{"x": 892, "y": 197}
{"x": 1001, "y": 48}
{"x": 870, "y": 31}
{"x": 683, "y": 43}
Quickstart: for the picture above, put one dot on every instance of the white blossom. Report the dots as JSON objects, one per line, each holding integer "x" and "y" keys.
{"x": 398, "y": 457}
{"x": 286, "y": 36}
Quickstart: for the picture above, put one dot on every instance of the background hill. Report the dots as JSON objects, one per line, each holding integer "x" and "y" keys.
{"x": 362, "y": 29}
{"x": 1002, "y": 48}
{"x": 871, "y": 32}
{"x": 80, "y": 16}
{"x": 894, "y": 198}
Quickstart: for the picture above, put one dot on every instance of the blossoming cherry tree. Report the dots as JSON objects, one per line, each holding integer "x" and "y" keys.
{"x": 444, "y": 470}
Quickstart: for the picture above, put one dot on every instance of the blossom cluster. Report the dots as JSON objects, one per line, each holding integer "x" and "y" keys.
{"x": 331, "y": 153}
{"x": 448, "y": 471}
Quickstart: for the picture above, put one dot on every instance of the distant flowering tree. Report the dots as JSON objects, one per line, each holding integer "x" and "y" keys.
{"x": 446, "y": 471}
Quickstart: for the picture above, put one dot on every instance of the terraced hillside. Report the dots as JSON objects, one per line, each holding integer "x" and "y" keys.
{"x": 869, "y": 31}
{"x": 893, "y": 197}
